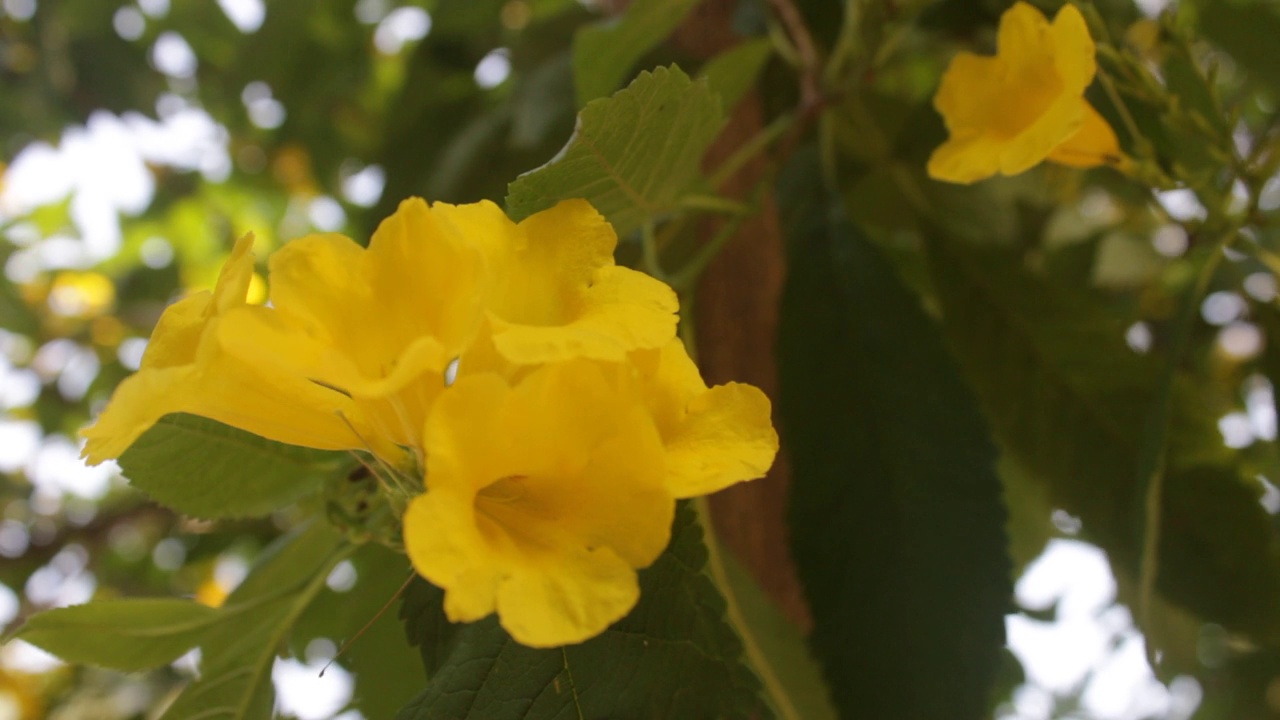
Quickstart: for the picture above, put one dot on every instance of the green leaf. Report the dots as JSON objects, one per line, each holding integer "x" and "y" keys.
{"x": 1071, "y": 402}
{"x": 236, "y": 661}
{"x": 632, "y": 156}
{"x": 672, "y": 657}
{"x": 206, "y": 469}
{"x": 732, "y": 73}
{"x": 603, "y": 53}
{"x": 387, "y": 671}
{"x": 781, "y": 644}
{"x": 897, "y": 523}
{"x": 129, "y": 635}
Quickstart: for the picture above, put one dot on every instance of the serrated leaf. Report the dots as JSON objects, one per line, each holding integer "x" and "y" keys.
{"x": 732, "y": 73}
{"x": 1069, "y": 399}
{"x": 674, "y": 656}
{"x": 632, "y": 155}
{"x": 604, "y": 52}
{"x": 129, "y": 635}
{"x": 897, "y": 523}
{"x": 206, "y": 469}
{"x": 236, "y": 661}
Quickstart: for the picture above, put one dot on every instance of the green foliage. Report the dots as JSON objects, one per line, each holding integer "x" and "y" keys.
{"x": 673, "y": 656}
{"x": 896, "y": 516}
{"x": 1071, "y": 401}
{"x": 779, "y": 645}
{"x": 733, "y": 73}
{"x": 236, "y": 661}
{"x": 387, "y": 670}
{"x": 633, "y": 155}
{"x": 129, "y": 635}
{"x": 209, "y": 470}
{"x": 604, "y": 53}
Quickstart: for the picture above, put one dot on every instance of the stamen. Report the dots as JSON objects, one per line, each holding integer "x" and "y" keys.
{"x": 334, "y": 388}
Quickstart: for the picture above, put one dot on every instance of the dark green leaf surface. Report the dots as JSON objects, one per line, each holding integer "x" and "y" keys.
{"x": 206, "y": 469}
{"x": 672, "y": 657}
{"x": 633, "y": 155}
{"x": 129, "y": 635}
{"x": 1071, "y": 402}
{"x": 605, "y": 52}
{"x": 236, "y": 661}
{"x": 897, "y": 522}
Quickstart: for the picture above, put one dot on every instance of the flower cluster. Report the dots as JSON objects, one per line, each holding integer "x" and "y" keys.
{"x": 536, "y": 387}
{"x": 1010, "y": 112}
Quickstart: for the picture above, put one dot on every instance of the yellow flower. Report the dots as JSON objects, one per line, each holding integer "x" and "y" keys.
{"x": 185, "y": 369}
{"x": 1008, "y": 113}
{"x": 542, "y": 500}
{"x": 376, "y": 326}
{"x": 714, "y": 437}
{"x": 19, "y": 696}
{"x": 556, "y": 293}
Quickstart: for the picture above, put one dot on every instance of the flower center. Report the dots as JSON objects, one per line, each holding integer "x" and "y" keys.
{"x": 504, "y": 490}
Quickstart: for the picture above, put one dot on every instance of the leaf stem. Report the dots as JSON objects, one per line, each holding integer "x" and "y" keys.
{"x": 750, "y": 149}
{"x": 774, "y": 689}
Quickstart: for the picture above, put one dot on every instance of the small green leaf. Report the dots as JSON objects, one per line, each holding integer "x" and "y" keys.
{"x": 255, "y": 621}
{"x": 206, "y": 469}
{"x": 603, "y": 53}
{"x": 732, "y": 73}
{"x": 129, "y": 635}
{"x": 632, "y": 156}
{"x": 672, "y": 657}
{"x": 897, "y": 522}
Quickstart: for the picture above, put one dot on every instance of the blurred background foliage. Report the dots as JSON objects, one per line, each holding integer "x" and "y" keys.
{"x": 1105, "y": 342}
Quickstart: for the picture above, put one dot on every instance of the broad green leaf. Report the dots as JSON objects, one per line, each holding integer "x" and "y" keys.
{"x": 633, "y": 155}
{"x": 1071, "y": 402}
{"x": 897, "y": 523}
{"x": 387, "y": 670}
{"x": 672, "y": 657}
{"x": 236, "y": 661}
{"x": 605, "y": 52}
{"x": 206, "y": 469}
{"x": 780, "y": 643}
{"x": 732, "y": 73}
{"x": 129, "y": 635}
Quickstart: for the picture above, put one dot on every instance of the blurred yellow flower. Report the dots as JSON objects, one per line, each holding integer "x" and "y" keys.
{"x": 19, "y": 696}
{"x": 1008, "y": 113}
{"x": 542, "y": 500}
{"x": 81, "y": 294}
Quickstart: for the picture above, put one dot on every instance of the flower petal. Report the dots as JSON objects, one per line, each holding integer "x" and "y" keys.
{"x": 623, "y": 310}
{"x": 558, "y": 294}
{"x": 727, "y": 437}
{"x": 1093, "y": 144}
{"x": 568, "y": 600}
{"x": 1074, "y": 51}
{"x": 1060, "y": 121}
{"x": 966, "y": 158}
{"x": 968, "y": 91}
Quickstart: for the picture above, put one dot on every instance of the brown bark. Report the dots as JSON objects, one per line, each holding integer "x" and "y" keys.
{"x": 736, "y": 321}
